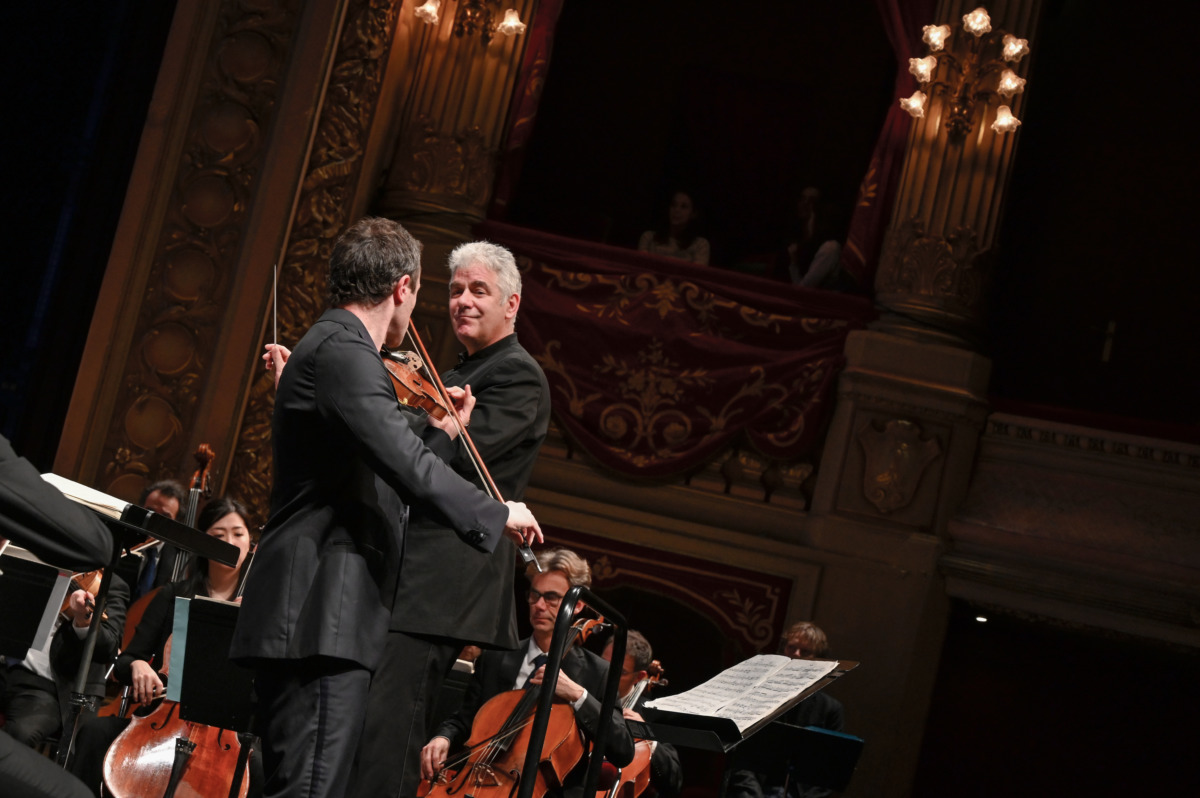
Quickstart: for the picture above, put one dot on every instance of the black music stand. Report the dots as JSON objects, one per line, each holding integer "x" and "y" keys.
{"x": 822, "y": 758}
{"x": 133, "y": 525}
{"x": 30, "y": 593}
{"x": 211, "y": 688}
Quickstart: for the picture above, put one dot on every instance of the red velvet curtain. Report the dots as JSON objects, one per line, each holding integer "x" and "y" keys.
{"x": 903, "y": 21}
{"x": 655, "y": 364}
{"x": 526, "y": 97}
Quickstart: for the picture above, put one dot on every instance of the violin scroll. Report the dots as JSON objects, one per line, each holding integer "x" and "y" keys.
{"x": 411, "y": 388}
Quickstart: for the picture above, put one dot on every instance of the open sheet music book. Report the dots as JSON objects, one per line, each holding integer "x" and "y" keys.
{"x": 89, "y": 497}
{"x": 750, "y": 691}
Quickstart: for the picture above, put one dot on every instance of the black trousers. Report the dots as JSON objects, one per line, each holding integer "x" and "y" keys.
{"x": 24, "y": 773}
{"x": 31, "y": 706}
{"x": 311, "y": 717}
{"x": 400, "y": 707}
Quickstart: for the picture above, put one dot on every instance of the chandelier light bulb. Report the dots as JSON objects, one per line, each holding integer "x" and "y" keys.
{"x": 428, "y": 13}
{"x": 511, "y": 25}
{"x": 923, "y": 68}
{"x": 935, "y": 36}
{"x": 1014, "y": 48}
{"x": 915, "y": 105}
{"x": 1010, "y": 84}
{"x": 1005, "y": 121}
{"x": 977, "y": 22}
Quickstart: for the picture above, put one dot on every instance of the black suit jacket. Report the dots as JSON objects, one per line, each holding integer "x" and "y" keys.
{"x": 495, "y": 672}
{"x": 446, "y": 589}
{"x": 37, "y": 516}
{"x": 346, "y": 465}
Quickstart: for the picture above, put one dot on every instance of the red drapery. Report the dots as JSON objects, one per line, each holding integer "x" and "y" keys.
{"x": 525, "y": 101}
{"x": 903, "y": 21}
{"x": 655, "y": 364}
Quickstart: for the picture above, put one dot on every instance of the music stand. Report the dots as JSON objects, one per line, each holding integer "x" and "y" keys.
{"x": 133, "y": 524}
{"x": 211, "y": 689}
{"x": 31, "y": 593}
{"x": 821, "y": 757}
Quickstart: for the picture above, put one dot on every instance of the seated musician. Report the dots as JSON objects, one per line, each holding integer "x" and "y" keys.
{"x": 581, "y": 681}
{"x": 142, "y": 666}
{"x": 666, "y": 775}
{"x": 37, "y": 689}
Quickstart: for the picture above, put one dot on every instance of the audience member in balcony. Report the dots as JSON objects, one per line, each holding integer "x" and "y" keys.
{"x": 755, "y": 773}
{"x": 676, "y": 237}
{"x": 814, "y": 249}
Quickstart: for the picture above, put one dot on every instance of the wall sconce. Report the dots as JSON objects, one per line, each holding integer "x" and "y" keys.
{"x": 973, "y": 61}
{"x": 473, "y": 16}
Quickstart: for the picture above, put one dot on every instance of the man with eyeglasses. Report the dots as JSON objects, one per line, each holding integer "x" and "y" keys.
{"x": 580, "y": 683}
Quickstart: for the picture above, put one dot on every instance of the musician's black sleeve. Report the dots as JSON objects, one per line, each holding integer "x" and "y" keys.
{"x": 34, "y": 514}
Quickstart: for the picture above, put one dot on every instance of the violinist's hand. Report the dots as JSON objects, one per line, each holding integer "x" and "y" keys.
{"x": 464, "y": 403}
{"x": 566, "y": 688}
{"x": 433, "y": 756}
{"x": 275, "y": 358}
{"x": 522, "y": 528}
{"x": 79, "y": 607}
{"x": 147, "y": 685}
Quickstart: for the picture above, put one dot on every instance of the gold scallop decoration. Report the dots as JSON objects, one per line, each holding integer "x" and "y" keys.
{"x": 208, "y": 200}
{"x": 245, "y": 56}
{"x": 189, "y": 275}
{"x": 228, "y": 128}
{"x": 151, "y": 423}
{"x": 168, "y": 348}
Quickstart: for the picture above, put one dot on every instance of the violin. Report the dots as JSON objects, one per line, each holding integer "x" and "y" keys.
{"x": 411, "y": 388}
{"x": 633, "y": 779}
{"x": 490, "y": 766}
{"x": 90, "y": 582}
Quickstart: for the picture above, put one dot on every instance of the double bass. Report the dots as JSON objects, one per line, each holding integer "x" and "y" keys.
{"x": 490, "y": 766}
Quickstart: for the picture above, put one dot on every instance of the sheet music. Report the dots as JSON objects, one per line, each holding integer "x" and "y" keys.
{"x": 89, "y": 497}
{"x": 750, "y": 690}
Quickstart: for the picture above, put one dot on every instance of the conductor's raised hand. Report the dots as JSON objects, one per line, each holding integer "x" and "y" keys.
{"x": 275, "y": 358}
{"x": 522, "y": 528}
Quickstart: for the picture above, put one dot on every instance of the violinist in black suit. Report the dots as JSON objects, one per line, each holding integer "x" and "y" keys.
{"x": 666, "y": 774}
{"x": 35, "y": 515}
{"x": 316, "y": 607}
{"x": 450, "y": 595}
{"x": 580, "y": 683}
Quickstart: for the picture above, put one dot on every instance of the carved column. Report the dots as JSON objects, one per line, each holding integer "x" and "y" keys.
{"x": 450, "y": 116}
{"x": 937, "y": 256}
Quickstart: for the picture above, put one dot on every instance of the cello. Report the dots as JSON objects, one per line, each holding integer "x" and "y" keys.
{"x": 490, "y": 765}
{"x": 159, "y": 753}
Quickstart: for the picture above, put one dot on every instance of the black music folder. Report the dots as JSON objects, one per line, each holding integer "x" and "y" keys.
{"x": 210, "y": 688}
{"x": 31, "y": 594}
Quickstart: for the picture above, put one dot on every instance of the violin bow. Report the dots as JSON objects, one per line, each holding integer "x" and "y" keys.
{"x": 526, "y": 553}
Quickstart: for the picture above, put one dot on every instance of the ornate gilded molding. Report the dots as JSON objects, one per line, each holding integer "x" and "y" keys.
{"x": 896, "y": 459}
{"x": 1047, "y": 434}
{"x": 939, "y": 280}
{"x": 324, "y": 209}
{"x": 191, "y": 277}
{"x": 447, "y": 168}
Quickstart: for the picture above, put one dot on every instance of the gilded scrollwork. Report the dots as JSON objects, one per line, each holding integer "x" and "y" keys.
{"x": 190, "y": 276}
{"x": 324, "y": 209}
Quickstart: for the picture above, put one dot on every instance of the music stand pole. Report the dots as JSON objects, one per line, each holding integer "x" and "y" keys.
{"x": 80, "y": 700}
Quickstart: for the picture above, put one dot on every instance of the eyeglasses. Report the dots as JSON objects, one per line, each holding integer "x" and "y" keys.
{"x": 552, "y": 599}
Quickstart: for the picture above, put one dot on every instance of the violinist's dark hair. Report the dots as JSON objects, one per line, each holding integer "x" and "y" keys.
{"x": 167, "y": 487}
{"x": 638, "y": 647}
{"x": 369, "y": 259}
